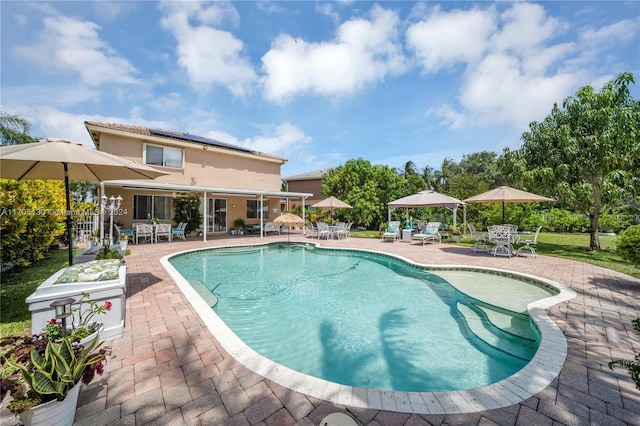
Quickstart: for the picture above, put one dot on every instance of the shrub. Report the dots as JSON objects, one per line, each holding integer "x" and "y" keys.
{"x": 628, "y": 244}
{"x": 633, "y": 367}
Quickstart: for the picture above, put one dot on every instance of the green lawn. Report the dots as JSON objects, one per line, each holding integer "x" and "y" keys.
{"x": 571, "y": 246}
{"x": 15, "y": 317}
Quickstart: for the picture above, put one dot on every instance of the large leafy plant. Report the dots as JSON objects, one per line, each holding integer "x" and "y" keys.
{"x": 50, "y": 375}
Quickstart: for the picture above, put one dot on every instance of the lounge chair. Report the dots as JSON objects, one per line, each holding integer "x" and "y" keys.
{"x": 431, "y": 233}
{"x": 392, "y": 232}
{"x": 528, "y": 243}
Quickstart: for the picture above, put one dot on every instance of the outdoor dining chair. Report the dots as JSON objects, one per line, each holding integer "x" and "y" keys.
{"x": 528, "y": 243}
{"x": 178, "y": 232}
{"x": 163, "y": 230}
{"x": 144, "y": 232}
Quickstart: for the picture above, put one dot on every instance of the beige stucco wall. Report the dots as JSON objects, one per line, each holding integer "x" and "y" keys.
{"x": 211, "y": 167}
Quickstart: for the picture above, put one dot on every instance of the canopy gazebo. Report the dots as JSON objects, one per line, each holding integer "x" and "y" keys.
{"x": 427, "y": 199}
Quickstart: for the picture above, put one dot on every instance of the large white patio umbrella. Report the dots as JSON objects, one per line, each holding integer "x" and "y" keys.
{"x": 63, "y": 159}
{"x": 331, "y": 203}
{"x": 506, "y": 194}
{"x": 428, "y": 198}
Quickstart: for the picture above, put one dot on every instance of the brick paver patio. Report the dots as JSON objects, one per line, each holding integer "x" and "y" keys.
{"x": 168, "y": 369}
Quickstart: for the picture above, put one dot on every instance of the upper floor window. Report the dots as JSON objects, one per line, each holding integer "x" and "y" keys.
{"x": 157, "y": 155}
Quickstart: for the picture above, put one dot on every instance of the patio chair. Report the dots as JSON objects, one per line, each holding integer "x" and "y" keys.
{"x": 343, "y": 230}
{"x": 324, "y": 231}
{"x": 528, "y": 243}
{"x": 478, "y": 239}
{"x": 431, "y": 233}
{"x": 500, "y": 236}
{"x": 127, "y": 232}
{"x": 392, "y": 232}
{"x": 144, "y": 232}
{"x": 163, "y": 230}
{"x": 310, "y": 230}
{"x": 178, "y": 232}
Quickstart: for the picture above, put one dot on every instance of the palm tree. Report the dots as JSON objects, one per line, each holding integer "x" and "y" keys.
{"x": 14, "y": 129}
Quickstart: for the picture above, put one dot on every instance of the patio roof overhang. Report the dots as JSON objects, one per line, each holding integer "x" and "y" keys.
{"x": 172, "y": 187}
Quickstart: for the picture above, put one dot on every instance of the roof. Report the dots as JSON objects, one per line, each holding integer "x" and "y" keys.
{"x": 426, "y": 198}
{"x": 316, "y": 174}
{"x": 174, "y": 135}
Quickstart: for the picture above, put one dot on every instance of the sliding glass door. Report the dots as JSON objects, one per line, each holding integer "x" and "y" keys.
{"x": 216, "y": 215}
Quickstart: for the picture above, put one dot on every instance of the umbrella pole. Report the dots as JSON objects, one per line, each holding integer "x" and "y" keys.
{"x": 68, "y": 212}
{"x": 503, "y": 213}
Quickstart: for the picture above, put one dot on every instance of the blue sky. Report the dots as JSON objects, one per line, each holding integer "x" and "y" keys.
{"x": 318, "y": 83}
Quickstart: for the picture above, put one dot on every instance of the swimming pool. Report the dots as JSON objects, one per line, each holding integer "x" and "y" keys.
{"x": 369, "y": 321}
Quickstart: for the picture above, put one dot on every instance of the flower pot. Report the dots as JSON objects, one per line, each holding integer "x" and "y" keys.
{"x": 123, "y": 244}
{"x": 87, "y": 340}
{"x": 59, "y": 413}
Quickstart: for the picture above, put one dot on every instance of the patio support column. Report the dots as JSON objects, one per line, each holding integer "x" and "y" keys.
{"x": 261, "y": 218}
{"x": 101, "y": 210}
{"x": 204, "y": 217}
{"x": 304, "y": 227}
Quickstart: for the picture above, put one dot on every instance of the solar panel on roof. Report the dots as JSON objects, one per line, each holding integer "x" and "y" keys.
{"x": 196, "y": 138}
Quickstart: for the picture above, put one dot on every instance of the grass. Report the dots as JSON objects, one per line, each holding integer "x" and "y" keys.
{"x": 16, "y": 286}
{"x": 569, "y": 246}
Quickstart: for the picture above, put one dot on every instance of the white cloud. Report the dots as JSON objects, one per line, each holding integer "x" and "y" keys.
{"x": 621, "y": 31}
{"x": 209, "y": 55}
{"x": 445, "y": 39}
{"x": 364, "y": 52}
{"x": 511, "y": 60}
{"x": 49, "y": 122}
{"x": 69, "y": 45}
{"x": 450, "y": 117}
{"x": 279, "y": 140}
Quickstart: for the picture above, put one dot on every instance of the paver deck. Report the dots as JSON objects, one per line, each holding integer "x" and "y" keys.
{"x": 168, "y": 369}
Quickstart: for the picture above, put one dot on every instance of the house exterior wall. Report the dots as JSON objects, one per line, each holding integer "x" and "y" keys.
{"x": 210, "y": 167}
{"x": 313, "y": 186}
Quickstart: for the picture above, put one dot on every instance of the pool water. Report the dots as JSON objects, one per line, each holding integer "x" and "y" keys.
{"x": 363, "y": 319}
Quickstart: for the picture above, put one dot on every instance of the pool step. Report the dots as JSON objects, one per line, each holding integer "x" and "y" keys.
{"x": 486, "y": 333}
{"x": 209, "y": 298}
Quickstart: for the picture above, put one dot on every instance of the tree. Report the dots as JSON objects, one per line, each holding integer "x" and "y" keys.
{"x": 483, "y": 165}
{"x": 586, "y": 152}
{"x": 366, "y": 188}
{"x": 14, "y": 129}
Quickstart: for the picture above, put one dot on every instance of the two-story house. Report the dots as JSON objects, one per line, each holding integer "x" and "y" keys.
{"x": 231, "y": 181}
{"x": 310, "y": 182}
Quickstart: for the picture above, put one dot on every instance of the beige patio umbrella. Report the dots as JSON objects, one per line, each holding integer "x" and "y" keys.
{"x": 289, "y": 219}
{"x": 506, "y": 194}
{"x": 331, "y": 203}
{"x": 63, "y": 159}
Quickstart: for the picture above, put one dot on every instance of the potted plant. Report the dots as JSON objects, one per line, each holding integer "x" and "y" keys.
{"x": 456, "y": 233}
{"x": 123, "y": 242}
{"x": 87, "y": 329}
{"x": 49, "y": 378}
{"x": 238, "y": 226}
{"x": 95, "y": 237}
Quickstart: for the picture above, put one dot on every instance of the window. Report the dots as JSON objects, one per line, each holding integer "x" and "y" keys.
{"x": 154, "y": 206}
{"x": 253, "y": 209}
{"x": 156, "y": 155}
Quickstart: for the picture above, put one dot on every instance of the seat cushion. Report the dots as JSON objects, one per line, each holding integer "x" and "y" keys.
{"x": 96, "y": 270}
